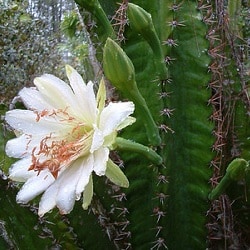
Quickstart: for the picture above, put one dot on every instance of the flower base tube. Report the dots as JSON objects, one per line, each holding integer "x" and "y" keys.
{"x": 127, "y": 145}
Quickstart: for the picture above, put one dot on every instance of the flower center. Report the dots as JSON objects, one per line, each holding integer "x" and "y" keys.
{"x": 55, "y": 153}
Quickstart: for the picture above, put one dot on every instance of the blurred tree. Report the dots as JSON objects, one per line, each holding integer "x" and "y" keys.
{"x": 29, "y": 38}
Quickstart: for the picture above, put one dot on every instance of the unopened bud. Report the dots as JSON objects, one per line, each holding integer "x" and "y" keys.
{"x": 117, "y": 66}
{"x": 119, "y": 70}
{"x": 237, "y": 169}
{"x": 127, "y": 145}
{"x": 141, "y": 21}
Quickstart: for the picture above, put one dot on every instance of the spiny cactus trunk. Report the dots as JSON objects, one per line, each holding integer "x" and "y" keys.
{"x": 188, "y": 150}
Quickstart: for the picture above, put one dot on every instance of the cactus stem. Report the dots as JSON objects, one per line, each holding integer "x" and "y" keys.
{"x": 94, "y": 7}
{"x": 127, "y": 145}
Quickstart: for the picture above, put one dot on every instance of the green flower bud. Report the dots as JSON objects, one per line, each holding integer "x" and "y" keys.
{"x": 119, "y": 70}
{"x": 117, "y": 66}
{"x": 235, "y": 171}
{"x": 141, "y": 21}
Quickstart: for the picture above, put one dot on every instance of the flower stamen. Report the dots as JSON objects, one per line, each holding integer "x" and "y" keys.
{"x": 60, "y": 153}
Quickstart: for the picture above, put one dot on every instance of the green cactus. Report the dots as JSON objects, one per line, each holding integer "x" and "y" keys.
{"x": 182, "y": 64}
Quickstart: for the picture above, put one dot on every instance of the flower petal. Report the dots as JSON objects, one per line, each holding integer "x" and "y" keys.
{"x": 19, "y": 170}
{"x": 17, "y": 147}
{"x": 57, "y": 93}
{"x": 97, "y": 140}
{"x": 84, "y": 177}
{"x": 101, "y": 95}
{"x": 113, "y": 115}
{"x": 66, "y": 195}
{"x": 35, "y": 186}
{"x": 84, "y": 95}
{"x": 25, "y": 121}
{"x": 48, "y": 199}
{"x": 101, "y": 157}
{"x": 32, "y": 99}
{"x": 25, "y": 145}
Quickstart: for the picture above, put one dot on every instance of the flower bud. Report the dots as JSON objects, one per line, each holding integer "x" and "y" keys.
{"x": 127, "y": 145}
{"x": 237, "y": 169}
{"x": 141, "y": 21}
{"x": 118, "y": 68}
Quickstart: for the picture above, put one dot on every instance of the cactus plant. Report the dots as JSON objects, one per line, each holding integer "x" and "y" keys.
{"x": 182, "y": 64}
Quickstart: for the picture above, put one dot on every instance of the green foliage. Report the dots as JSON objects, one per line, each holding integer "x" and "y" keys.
{"x": 24, "y": 48}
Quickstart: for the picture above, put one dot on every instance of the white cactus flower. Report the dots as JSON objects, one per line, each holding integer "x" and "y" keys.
{"x": 64, "y": 136}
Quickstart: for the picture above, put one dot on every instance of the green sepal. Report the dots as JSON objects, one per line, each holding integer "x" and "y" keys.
{"x": 114, "y": 174}
{"x": 101, "y": 95}
{"x": 88, "y": 194}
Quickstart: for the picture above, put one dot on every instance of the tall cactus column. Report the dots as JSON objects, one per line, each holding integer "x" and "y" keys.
{"x": 188, "y": 150}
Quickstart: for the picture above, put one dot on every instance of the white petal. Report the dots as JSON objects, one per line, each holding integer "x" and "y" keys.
{"x": 24, "y": 145}
{"x": 26, "y": 122}
{"x": 97, "y": 140}
{"x": 48, "y": 199}
{"x": 113, "y": 115}
{"x": 84, "y": 95}
{"x": 17, "y": 147}
{"x": 57, "y": 93}
{"x": 19, "y": 170}
{"x": 66, "y": 195}
{"x": 35, "y": 186}
{"x": 32, "y": 99}
{"x": 101, "y": 157}
{"x": 86, "y": 170}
